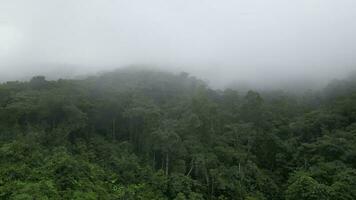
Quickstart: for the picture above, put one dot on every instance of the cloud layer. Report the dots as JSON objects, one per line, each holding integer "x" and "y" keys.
{"x": 264, "y": 42}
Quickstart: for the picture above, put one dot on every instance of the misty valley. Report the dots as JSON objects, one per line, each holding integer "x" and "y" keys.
{"x": 136, "y": 134}
{"x": 177, "y": 100}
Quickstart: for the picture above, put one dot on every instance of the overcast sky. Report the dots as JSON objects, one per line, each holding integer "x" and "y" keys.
{"x": 264, "y": 41}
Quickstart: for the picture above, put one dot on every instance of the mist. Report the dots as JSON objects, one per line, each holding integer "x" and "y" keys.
{"x": 257, "y": 43}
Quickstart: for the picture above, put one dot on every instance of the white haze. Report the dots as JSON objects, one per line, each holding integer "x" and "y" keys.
{"x": 264, "y": 43}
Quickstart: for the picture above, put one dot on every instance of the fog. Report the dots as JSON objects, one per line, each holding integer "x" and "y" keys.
{"x": 256, "y": 42}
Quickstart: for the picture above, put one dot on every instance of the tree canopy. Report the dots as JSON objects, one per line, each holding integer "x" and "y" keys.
{"x": 145, "y": 134}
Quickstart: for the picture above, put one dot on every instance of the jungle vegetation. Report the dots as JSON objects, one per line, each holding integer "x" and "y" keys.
{"x": 146, "y": 134}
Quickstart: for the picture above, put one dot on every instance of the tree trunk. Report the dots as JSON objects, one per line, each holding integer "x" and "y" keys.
{"x": 239, "y": 168}
{"x": 113, "y": 129}
{"x": 167, "y": 163}
{"x": 212, "y": 187}
{"x": 154, "y": 161}
{"x": 191, "y": 168}
{"x": 207, "y": 181}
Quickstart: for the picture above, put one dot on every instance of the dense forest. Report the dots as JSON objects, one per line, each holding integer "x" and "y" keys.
{"x": 144, "y": 134}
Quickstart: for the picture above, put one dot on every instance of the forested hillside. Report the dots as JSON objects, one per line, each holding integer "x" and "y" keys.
{"x": 143, "y": 134}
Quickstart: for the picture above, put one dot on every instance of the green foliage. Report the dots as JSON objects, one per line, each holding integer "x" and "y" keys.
{"x": 304, "y": 187}
{"x": 141, "y": 134}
